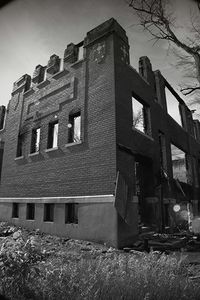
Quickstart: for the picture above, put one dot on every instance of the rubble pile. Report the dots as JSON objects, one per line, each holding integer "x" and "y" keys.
{"x": 184, "y": 241}
{"x": 50, "y": 245}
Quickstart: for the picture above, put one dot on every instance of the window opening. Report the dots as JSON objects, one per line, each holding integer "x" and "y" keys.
{"x": 163, "y": 155}
{"x": 74, "y": 126}
{"x": 48, "y": 212}
{"x": 15, "y": 210}
{"x": 166, "y": 215}
{"x": 30, "y": 211}
{"x": 71, "y": 213}
{"x": 173, "y": 106}
{"x": 179, "y": 164}
{"x": 20, "y": 143}
{"x": 53, "y": 135}
{"x": 141, "y": 116}
{"x": 35, "y": 142}
{"x": 196, "y": 175}
{"x": 143, "y": 170}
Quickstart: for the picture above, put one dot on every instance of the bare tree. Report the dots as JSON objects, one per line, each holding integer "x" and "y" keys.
{"x": 138, "y": 119}
{"x": 156, "y": 17}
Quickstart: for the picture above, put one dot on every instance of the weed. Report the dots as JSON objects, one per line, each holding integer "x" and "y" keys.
{"x": 26, "y": 273}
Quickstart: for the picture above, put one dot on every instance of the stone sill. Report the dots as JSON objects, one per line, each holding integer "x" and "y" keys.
{"x": 34, "y": 154}
{"x": 63, "y": 199}
{"x": 19, "y": 158}
{"x": 60, "y": 74}
{"x": 51, "y": 150}
{"x": 72, "y": 224}
{"x": 73, "y": 144}
{"x": 43, "y": 84}
{"x": 142, "y": 133}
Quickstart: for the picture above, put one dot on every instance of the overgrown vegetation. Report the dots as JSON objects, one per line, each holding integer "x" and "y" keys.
{"x": 27, "y": 271}
{"x": 119, "y": 277}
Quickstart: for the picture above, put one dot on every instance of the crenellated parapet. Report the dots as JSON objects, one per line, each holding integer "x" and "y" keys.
{"x": 38, "y": 74}
{"x": 145, "y": 70}
{"x": 70, "y": 54}
{"x": 22, "y": 84}
{"x": 53, "y": 65}
{"x": 42, "y": 74}
{"x": 95, "y": 40}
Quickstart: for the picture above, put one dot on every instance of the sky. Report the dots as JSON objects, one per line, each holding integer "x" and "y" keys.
{"x": 32, "y": 30}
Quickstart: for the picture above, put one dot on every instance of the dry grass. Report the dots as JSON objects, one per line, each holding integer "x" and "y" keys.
{"x": 27, "y": 272}
{"x": 118, "y": 276}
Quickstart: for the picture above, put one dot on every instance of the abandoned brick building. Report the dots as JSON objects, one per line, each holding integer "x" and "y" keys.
{"x": 94, "y": 150}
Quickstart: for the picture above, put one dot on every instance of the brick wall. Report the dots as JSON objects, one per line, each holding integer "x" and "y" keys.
{"x": 149, "y": 87}
{"x": 87, "y": 168}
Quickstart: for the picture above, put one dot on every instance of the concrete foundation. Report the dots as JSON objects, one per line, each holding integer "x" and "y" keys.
{"x": 97, "y": 218}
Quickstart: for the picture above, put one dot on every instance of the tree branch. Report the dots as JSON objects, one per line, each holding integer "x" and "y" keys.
{"x": 156, "y": 19}
{"x": 189, "y": 90}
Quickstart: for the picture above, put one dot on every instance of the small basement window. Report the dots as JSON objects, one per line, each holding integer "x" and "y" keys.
{"x": 141, "y": 116}
{"x": 53, "y": 135}
{"x": 48, "y": 212}
{"x": 15, "y": 210}
{"x": 71, "y": 213}
{"x": 173, "y": 106}
{"x": 30, "y": 211}
{"x": 35, "y": 140}
{"x": 74, "y": 128}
